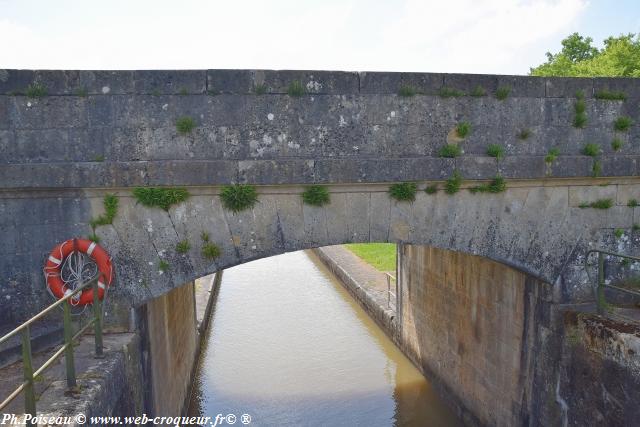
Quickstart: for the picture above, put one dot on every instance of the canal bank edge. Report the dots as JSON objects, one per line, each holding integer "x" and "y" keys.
{"x": 387, "y": 321}
{"x": 206, "y": 291}
{"x": 585, "y": 368}
{"x": 372, "y": 304}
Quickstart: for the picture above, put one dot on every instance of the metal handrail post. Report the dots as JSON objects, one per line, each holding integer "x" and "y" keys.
{"x": 388, "y": 291}
{"x": 600, "y": 288}
{"x": 397, "y": 294}
{"x": 68, "y": 352}
{"x": 97, "y": 324}
{"x": 27, "y": 366}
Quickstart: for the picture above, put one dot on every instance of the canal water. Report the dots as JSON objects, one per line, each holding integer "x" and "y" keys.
{"x": 290, "y": 347}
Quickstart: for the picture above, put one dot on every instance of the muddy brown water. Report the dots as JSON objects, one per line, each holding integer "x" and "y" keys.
{"x": 288, "y": 346}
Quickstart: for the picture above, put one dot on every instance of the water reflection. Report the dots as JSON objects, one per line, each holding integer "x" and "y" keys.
{"x": 289, "y": 346}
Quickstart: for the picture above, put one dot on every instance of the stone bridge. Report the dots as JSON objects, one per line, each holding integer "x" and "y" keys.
{"x": 67, "y": 138}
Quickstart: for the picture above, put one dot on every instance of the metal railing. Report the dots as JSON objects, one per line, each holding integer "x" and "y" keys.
{"x": 390, "y": 277}
{"x": 600, "y": 283}
{"x": 67, "y": 349}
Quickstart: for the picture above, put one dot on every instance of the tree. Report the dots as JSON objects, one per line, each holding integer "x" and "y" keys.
{"x": 620, "y": 57}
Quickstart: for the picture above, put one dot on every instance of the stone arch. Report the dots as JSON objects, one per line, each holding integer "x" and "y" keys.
{"x": 510, "y": 227}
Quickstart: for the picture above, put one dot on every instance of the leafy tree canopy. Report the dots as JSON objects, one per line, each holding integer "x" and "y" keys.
{"x": 620, "y": 57}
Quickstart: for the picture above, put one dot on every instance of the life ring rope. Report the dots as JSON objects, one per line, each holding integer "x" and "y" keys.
{"x": 65, "y": 267}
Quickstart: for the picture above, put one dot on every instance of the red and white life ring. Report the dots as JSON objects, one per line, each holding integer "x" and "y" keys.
{"x": 55, "y": 261}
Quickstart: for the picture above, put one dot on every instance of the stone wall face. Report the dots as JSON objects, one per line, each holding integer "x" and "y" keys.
{"x": 473, "y": 327}
{"x": 172, "y": 346}
{"x": 108, "y": 131}
{"x": 534, "y": 226}
{"x": 115, "y": 129}
{"x": 599, "y": 383}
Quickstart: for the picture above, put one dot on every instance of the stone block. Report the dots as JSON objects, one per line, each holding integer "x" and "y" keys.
{"x": 15, "y": 81}
{"x": 106, "y": 82}
{"x": 523, "y": 86}
{"x": 615, "y": 217}
{"x": 522, "y": 167}
{"x": 476, "y": 167}
{"x": 48, "y": 112}
{"x": 390, "y": 83}
{"x": 629, "y": 86}
{"x": 290, "y": 221}
{"x": 467, "y": 83}
{"x": 273, "y": 172}
{"x": 184, "y": 173}
{"x": 570, "y": 167}
{"x": 174, "y": 82}
{"x": 588, "y": 194}
{"x": 5, "y": 118}
{"x": 231, "y": 81}
{"x": 99, "y": 111}
{"x": 617, "y": 165}
{"x": 379, "y": 212}
{"x": 568, "y": 87}
{"x": 314, "y": 82}
{"x": 627, "y": 192}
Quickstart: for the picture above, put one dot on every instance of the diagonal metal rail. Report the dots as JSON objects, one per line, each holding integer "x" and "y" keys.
{"x": 67, "y": 349}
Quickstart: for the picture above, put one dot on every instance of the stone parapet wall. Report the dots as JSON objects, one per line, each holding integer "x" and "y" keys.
{"x": 117, "y": 128}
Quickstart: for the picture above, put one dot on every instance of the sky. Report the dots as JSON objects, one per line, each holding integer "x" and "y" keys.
{"x": 465, "y": 36}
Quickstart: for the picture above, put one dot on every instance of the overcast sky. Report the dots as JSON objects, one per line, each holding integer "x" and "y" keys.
{"x": 473, "y": 36}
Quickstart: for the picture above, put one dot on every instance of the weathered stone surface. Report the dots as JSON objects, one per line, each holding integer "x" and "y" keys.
{"x": 474, "y": 351}
{"x": 390, "y": 83}
{"x": 599, "y": 374}
{"x": 314, "y": 82}
{"x": 589, "y": 194}
{"x": 169, "y": 82}
{"x": 569, "y": 87}
{"x": 131, "y": 117}
{"x": 61, "y": 152}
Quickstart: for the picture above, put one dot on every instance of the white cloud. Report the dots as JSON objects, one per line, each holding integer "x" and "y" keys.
{"x": 480, "y": 36}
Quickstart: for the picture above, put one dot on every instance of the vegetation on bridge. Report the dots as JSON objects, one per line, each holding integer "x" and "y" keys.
{"x": 450, "y": 151}
{"x": 209, "y": 251}
{"x": 598, "y": 204}
{"x": 495, "y": 150}
{"x": 238, "y": 197}
{"x": 185, "y": 125}
{"x": 552, "y": 155}
{"x": 452, "y": 185}
{"x": 160, "y": 197}
{"x": 316, "y": 195}
{"x": 610, "y": 96}
{"x": 431, "y": 189}
{"x": 497, "y": 185}
{"x": 296, "y": 89}
{"x": 622, "y": 123}
{"x": 110, "y": 203}
{"x": 403, "y": 191}
{"x": 580, "y": 107}
{"x": 463, "y": 129}
{"x": 183, "y": 246}
{"x": 503, "y": 92}
{"x": 260, "y": 89}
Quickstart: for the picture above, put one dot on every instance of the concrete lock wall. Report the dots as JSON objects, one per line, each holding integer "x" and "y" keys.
{"x": 473, "y": 327}
{"x": 171, "y": 344}
{"x": 98, "y": 132}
